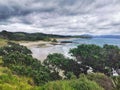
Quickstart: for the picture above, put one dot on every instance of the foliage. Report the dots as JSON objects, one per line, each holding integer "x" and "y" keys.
{"x": 22, "y": 64}
{"x": 19, "y": 60}
{"x": 18, "y": 36}
{"x": 54, "y": 40}
{"x": 3, "y": 42}
{"x": 101, "y": 79}
{"x": 8, "y": 81}
{"x": 112, "y": 56}
{"x": 57, "y": 62}
{"x": 74, "y": 84}
{"x": 101, "y": 59}
{"x": 13, "y": 47}
{"x": 116, "y": 80}
{"x": 70, "y": 75}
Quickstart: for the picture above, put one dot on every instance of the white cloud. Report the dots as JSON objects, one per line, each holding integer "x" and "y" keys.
{"x": 61, "y": 16}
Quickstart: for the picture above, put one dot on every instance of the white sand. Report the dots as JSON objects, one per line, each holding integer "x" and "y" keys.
{"x": 34, "y": 43}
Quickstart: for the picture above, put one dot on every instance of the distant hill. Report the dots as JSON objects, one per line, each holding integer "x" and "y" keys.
{"x": 18, "y": 36}
{"x": 108, "y": 36}
{"x": 28, "y": 36}
{"x": 83, "y": 36}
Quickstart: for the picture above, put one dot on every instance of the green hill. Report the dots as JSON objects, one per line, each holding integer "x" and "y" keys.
{"x": 18, "y": 36}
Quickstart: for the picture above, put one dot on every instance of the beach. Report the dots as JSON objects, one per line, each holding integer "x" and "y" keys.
{"x": 33, "y": 43}
{"x": 41, "y": 49}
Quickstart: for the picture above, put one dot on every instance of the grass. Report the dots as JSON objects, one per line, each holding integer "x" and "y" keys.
{"x": 3, "y": 42}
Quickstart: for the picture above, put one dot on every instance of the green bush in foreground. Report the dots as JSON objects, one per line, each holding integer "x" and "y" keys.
{"x": 8, "y": 81}
{"x": 101, "y": 79}
{"x": 116, "y": 81}
{"x": 76, "y": 84}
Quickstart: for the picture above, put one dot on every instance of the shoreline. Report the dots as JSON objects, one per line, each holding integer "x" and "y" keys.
{"x": 42, "y": 43}
{"x": 33, "y": 43}
{"x": 36, "y": 46}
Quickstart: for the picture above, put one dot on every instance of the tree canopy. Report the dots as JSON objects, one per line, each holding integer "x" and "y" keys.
{"x": 101, "y": 59}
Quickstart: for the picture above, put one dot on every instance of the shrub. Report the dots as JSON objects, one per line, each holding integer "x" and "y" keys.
{"x": 116, "y": 80}
{"x": 74, "y": 84}
{"x": 103, "y": 80}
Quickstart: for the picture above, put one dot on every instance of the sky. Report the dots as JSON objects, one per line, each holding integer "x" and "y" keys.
{"x": 64, "y": 17}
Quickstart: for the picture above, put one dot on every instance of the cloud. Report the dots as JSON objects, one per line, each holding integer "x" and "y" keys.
{"x": 61, "y": 16}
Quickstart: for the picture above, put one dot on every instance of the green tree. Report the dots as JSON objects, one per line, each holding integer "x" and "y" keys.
{"x": 101, "y": 59}
{"x": 19, "y": 60}
{"x": 12, "y": 47}
{"x": 57, "y": 62}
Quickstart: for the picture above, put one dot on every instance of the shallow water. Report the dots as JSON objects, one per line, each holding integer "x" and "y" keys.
{"x": 42, "y": 52}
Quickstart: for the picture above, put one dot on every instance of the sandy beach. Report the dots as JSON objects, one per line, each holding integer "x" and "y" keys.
{"x": 41, "y": 49}
{"x": 33, "y": 43}
{"x": 42, "y": 43}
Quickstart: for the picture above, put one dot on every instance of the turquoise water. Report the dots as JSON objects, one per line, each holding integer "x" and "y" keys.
{"x": 98, "y": 41}
{"x": 42, "y": 52}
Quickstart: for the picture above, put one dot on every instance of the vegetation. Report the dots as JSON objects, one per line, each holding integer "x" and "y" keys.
{"x": 3, "y": 42}
{"x": 20, "y": 71}
{"x": 12, "y": 82}
{"x": 101, "y": 59}
{"x": 8, "y": 81}
{"x": 19, "y": 60}
{"x": 12, "y": 47}
{"x": 116, "y": 80}
{"x": 101, "y": 79}
{"x": 54, "y": 40}
{"x": 57, "y": 62}
{"x": 19, "y": 36}
{"x": 75, "y": 84}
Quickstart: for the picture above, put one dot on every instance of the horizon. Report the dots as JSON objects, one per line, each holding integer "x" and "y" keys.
{"x": 62, "y": 34}
{"x": 63, "y": 17}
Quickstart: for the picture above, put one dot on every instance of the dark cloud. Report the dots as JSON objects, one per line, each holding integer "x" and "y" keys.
{"x": 10, "y": 8}
{"x": 13, "y": 8}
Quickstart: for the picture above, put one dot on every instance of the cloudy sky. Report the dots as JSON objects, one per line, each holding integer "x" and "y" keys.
{"x": 61, "y": 16}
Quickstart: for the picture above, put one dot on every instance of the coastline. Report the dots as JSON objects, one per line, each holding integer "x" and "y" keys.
{"x": 33, "y": 43}
{"x": 42, "y": 43}
{"x": 46, "y": 47}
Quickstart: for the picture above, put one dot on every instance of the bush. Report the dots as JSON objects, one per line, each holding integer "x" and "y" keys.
{"x": 19, "y": 60}
{"x": 11, "y": 82}
{"x": 116, "y": 80}
{"x": 76, "y": 84}
{"x": 103, "y": 80}
{"x": 98, "y": 57}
